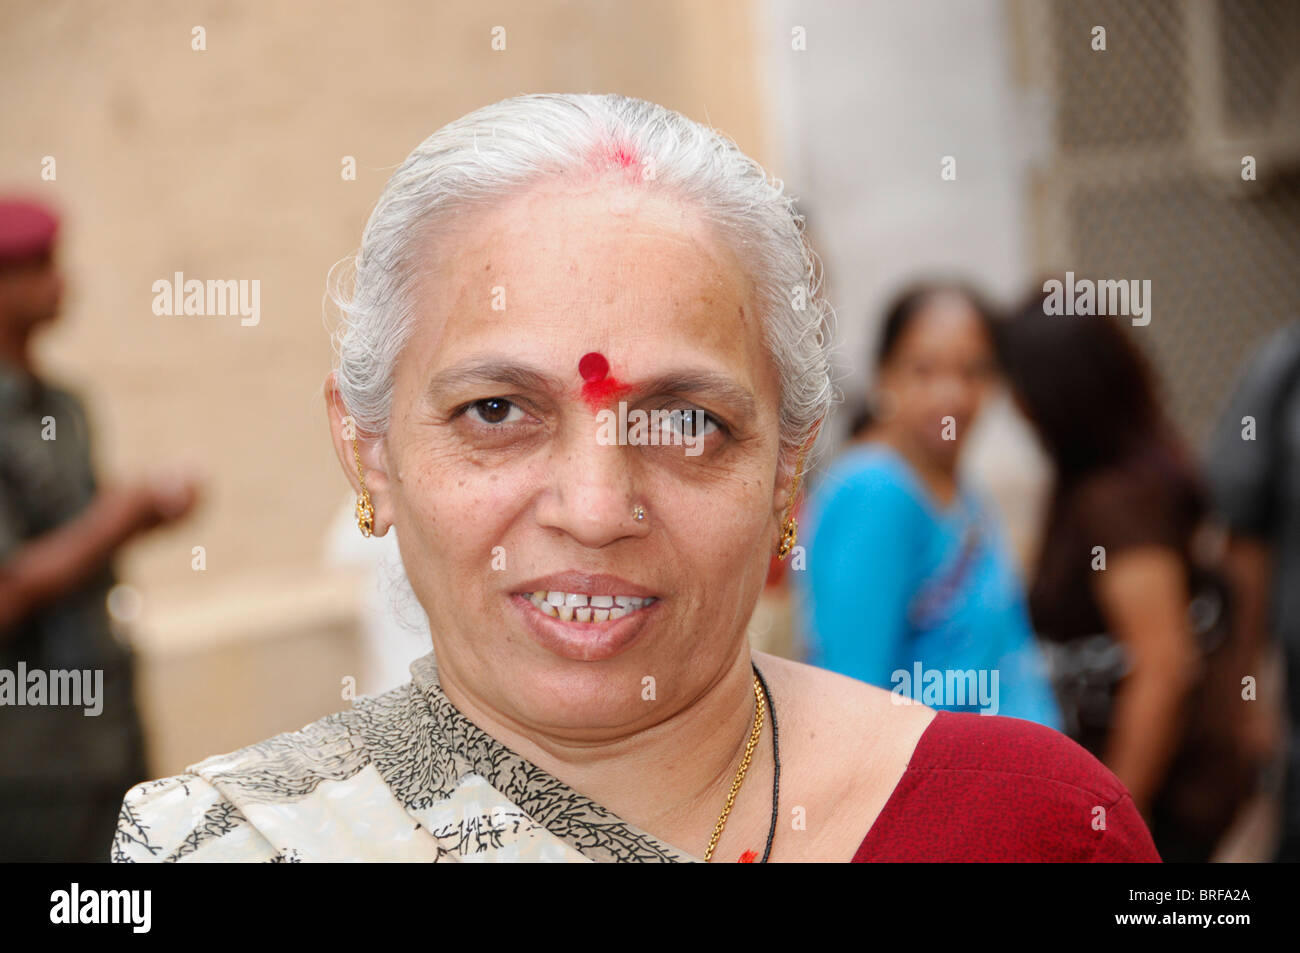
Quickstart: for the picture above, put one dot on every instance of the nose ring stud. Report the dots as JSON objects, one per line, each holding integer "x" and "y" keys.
{"x": 638, "y": 513}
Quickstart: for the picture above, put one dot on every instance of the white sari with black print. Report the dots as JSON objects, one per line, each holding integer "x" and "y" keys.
{"x": 402, "y": 776}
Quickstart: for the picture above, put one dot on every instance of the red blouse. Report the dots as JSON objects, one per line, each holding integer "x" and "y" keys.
{"x": 991, "y": 788}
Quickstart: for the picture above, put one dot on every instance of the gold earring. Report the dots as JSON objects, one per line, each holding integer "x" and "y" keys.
{"x": 790, "y": 526}
{"x": 789, "y": 534}
{"x": 365, "y": 510}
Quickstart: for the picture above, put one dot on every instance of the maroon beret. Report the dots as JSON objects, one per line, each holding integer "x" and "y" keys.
{"x": 27, "y": 229}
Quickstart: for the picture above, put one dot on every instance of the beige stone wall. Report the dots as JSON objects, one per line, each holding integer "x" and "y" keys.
{"x": 226, "y": 164}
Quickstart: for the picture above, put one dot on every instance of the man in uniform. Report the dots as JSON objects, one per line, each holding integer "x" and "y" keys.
{"x": 62, "y": 771}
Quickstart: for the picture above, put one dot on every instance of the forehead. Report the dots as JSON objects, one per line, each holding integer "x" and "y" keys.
{"x": 565, "y": 269}
{"x": 947, "y": 320}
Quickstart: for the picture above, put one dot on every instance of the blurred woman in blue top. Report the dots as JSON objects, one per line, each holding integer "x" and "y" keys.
{"x": 909, "y": 584}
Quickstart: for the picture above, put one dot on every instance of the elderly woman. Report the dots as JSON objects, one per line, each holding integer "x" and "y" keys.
{"x": 581, "y": 363}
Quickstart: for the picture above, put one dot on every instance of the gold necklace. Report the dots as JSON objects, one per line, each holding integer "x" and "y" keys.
{"x": 760, "y": 706}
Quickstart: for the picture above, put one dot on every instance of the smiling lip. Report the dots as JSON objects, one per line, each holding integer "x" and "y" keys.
{"x": 593, "y": 584}
{"x": 583, "y": 641}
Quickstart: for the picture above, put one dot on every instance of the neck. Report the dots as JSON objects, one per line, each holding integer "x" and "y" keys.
{"x": 14, "y": 350}
{"x": 938, "y": 476}
{"x": 670, "y": 778}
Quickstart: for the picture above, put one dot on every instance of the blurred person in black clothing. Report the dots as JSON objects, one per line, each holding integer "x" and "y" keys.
{"x": 1254, "y": 471}
{"x": 64, "y": 760}
{"x": 1137, "y": 627}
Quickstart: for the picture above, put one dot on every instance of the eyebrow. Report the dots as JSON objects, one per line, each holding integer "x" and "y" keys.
{"x": 521, "y": 377}
{"x": 490, "y": 371}
{"x": 701, "y": 383}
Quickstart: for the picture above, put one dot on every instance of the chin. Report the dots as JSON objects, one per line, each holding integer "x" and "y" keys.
{"x": 578, "y": 696}
{"x": 946, "y": 452}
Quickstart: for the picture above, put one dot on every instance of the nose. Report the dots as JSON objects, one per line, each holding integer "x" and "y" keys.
{"x": 957, "y": 393}
{"x": 593, "y": 491}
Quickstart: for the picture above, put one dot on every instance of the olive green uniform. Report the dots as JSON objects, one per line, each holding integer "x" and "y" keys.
{"x": 62, "y": 773}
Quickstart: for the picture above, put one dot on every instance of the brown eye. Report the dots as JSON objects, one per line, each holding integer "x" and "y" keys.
{"x": 493, "y": 410}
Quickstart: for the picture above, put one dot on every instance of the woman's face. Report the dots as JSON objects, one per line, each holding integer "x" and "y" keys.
{"x": 31, "y": 290}
{"x": 500, "y": 479}
{"x": 938, "y": 376}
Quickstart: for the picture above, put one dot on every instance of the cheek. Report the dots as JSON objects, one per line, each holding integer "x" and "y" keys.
{"x": 718, "y": 529}
{"x": 454, "y": 513}
{"x": 729, "y": 550}
{"x": 917, "y": 402}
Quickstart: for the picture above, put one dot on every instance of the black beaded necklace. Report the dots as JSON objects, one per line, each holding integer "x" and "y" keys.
{"x": 776, "y": 765}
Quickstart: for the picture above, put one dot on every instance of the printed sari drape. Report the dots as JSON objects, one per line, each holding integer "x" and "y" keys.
{"x": 402, "y": 776}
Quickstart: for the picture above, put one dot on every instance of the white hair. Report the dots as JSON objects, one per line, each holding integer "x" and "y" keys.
{"x": 499, "y": 150}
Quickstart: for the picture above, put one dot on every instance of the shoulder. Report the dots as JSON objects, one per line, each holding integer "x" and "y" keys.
{"x": 1005, "y": 749}
{"x": 183, "y": 818}
{"x": 1120, "y": 485}
{"x": 994, "y": 788}
{"x": 1139, "y": 502}
{"x": 870, "y": 465}
{"x": 872, "y": 480}
{"x": 1273, "y": 364}
{"x": 230, "y": 807}
{"x": 838, "y": 703}
{"x": 844, "y": 746}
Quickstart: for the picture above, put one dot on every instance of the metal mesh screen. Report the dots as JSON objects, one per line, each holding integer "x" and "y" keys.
{"x": 1135, "y": 91}
{"x": 1259, "y": 40}
{"x": 1142, "y": 175}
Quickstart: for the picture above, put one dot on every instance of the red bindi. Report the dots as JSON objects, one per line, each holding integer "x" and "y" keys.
{"x": 600, "y": 388}
{"x": 593, "y": 367}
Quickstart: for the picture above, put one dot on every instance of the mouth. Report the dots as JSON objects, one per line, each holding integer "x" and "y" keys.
{"x": 584, "y": 617}
{"x": 584, "y": 607}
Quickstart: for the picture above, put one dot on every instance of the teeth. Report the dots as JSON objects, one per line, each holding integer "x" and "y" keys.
{"x": 577, "y": 606}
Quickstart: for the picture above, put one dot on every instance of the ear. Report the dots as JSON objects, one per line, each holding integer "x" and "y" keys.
{"x": 371, "y": 447}
{"x": 793, "y": 464}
